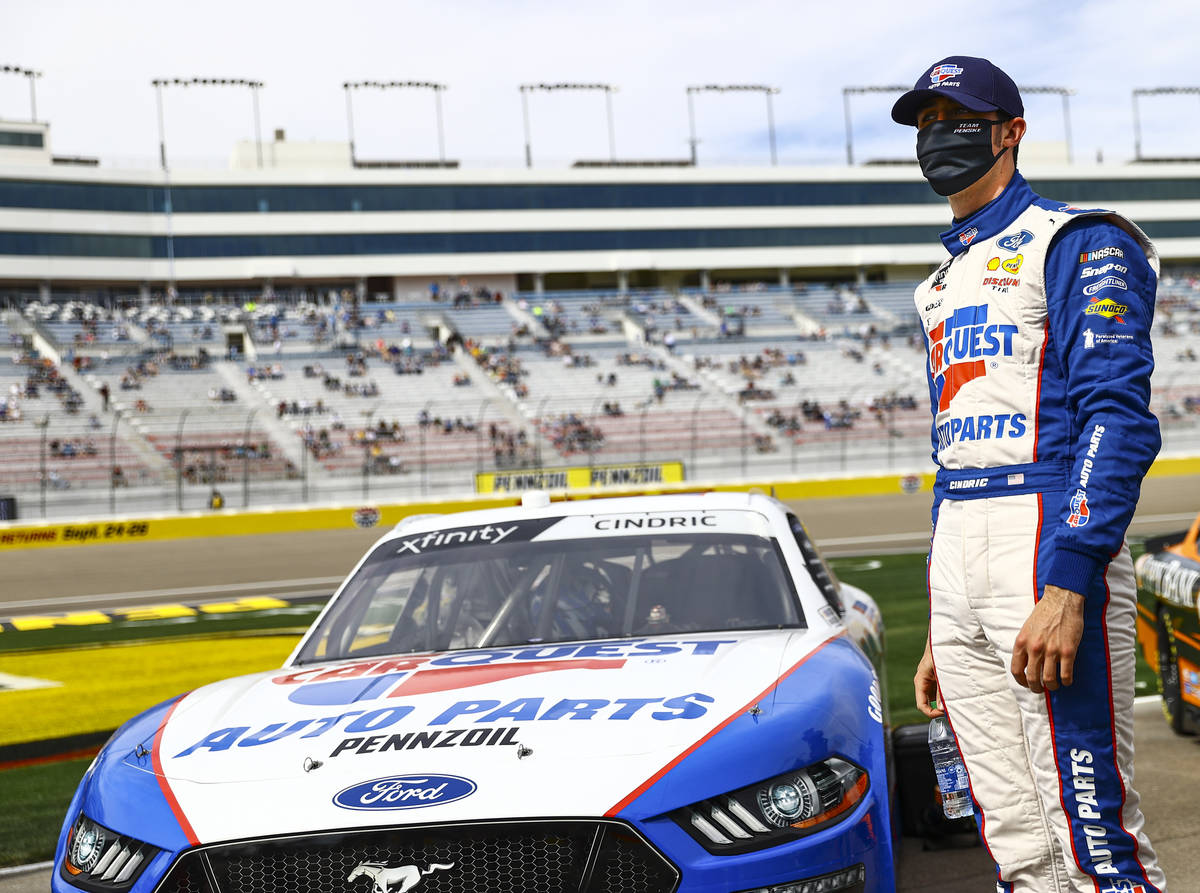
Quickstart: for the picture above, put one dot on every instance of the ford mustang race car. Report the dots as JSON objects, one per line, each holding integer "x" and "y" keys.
{"x": 1168, "y": 625}
{"x": 632, "y": 695}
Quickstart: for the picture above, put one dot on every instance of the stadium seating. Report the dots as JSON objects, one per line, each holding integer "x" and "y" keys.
{"x": 820, "y": 369}
{"x": 346, "y": 413}
{"x": 196, "y": 413}
{"x": 651, "y": 412}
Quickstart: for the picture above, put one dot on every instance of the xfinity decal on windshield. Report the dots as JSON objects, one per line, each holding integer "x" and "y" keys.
{"x": 484, "y": 534}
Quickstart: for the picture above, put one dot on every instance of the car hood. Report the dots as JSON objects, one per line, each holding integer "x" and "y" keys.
{"x": 566, "y": 729}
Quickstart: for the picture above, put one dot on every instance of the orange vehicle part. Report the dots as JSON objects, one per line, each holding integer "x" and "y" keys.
{"x": 1147, "y": 634}
{"x": 1188, "y": 548}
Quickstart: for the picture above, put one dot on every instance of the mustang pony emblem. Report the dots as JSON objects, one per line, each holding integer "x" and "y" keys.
{"x": 400, "y": 879}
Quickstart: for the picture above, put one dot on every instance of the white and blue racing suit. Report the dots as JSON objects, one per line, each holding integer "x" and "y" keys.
{"x": 1038, "y": 337}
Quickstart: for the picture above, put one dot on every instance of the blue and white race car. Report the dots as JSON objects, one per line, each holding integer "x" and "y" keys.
{"x": 633, "y": 695}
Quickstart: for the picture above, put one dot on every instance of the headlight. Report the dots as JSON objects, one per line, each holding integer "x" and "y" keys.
{"x": 783, "y": 808}
{"x": 101, "y": 860}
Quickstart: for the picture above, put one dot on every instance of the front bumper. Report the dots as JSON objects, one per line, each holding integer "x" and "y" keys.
{"x": 521, "y": 856}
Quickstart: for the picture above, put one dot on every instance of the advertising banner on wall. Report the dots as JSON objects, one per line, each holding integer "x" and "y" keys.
{"x": 579, "y": 477}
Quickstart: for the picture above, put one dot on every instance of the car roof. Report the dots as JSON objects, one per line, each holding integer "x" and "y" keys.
{"x": 672, "y": 502}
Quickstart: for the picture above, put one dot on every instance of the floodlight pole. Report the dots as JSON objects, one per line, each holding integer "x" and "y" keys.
{"x": 1066, "y": 94}
{"x": 437, "y": 106}
{"x": 849, "y": 127}
{"x": 33, "y": 76}
{"x": 847, "y": 92}
{"x": 771, "y": 126}
{"x": 612, "y": 140}
{"x": 158, "y": 84}
{"x": 1137, "y": 120}
{"x": 1137, "y": 129}
{"x": 608, "y": 89}
{"x": 255, "y": 86}
{"x": 1067, "y": 126}
{"x": 692, "y": 141}
{"x": 733, "y": 88}
{"x": 350, "y": 121}
{"x": 437, "y": 89}
{"x": 525, "y": 115}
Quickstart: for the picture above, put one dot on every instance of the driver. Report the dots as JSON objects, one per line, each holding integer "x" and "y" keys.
{"x": 1038, "y": 332}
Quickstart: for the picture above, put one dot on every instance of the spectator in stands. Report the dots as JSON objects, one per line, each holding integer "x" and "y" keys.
{"x": 105, "y": 395}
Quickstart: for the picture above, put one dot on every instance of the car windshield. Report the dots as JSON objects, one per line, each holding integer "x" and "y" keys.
{"x": 494, "y": 595}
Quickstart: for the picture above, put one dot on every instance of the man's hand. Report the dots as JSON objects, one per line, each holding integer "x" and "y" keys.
{"x": 1044, "y": 653}
{"x": 925, "y": 683}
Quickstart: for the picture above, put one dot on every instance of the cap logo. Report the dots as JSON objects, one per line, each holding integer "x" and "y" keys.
{"x": 944, "y": 72}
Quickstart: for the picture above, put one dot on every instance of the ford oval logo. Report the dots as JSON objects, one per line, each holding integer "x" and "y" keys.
{"x": 405, "y": 792}
{"x": 1013, "y": 241}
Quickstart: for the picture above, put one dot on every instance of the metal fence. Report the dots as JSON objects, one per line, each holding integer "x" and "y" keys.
{"x": 119, "y": 469}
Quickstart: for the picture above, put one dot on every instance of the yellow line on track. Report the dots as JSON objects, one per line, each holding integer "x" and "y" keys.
{"x": 103, "y": 686}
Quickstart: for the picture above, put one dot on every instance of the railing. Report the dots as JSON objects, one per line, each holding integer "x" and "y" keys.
{"x": 198, "y": 461}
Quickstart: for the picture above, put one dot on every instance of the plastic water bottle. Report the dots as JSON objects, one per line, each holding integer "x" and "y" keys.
{"x": 951, "y": 773}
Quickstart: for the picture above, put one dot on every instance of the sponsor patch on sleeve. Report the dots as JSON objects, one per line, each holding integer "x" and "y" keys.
{"x": 1079, "y": 510}
{"x": 1107, "y": 282}
{"x": 1091, "y": 339}
{"x": 1087, "y": 257}
{"x": 1106, "y": 307}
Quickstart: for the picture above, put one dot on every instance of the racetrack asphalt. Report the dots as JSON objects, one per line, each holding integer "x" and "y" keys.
{"x": 123, "y": 574}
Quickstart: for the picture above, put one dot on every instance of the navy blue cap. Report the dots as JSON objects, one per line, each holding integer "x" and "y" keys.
{"x": 975, "y": 83}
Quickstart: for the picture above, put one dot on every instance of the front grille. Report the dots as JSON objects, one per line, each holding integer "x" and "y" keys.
{"x": 496, "y": 857}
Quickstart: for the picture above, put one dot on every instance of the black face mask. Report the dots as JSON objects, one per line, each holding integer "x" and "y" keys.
{"x": 956, "y": 153}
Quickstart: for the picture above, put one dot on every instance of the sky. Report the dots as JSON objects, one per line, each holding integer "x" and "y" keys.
{"x": 98, "y": 60}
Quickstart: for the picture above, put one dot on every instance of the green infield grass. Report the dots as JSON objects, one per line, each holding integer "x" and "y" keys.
{"x": 28, "y": 833}
{"x": 897, "y": 583}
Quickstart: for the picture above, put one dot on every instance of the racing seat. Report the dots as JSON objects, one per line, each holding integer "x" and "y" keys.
{"x": 711, "y": 591}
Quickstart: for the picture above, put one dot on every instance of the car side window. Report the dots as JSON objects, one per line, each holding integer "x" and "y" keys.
{"x": 816, "y": 566}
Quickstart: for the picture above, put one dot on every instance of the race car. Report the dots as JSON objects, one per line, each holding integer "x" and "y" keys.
{"x": 1168, "y": 577}
{"x": 626, "y": 695}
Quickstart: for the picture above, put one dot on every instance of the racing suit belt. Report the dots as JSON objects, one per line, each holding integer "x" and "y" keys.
{"x": 1002, "y": 480}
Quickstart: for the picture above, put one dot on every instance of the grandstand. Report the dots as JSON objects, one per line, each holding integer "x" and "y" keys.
{"x": 418, "y": 391}
{"x": 406, "y": 329}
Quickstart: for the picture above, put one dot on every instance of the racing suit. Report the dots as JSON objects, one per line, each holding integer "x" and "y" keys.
{"x": 1038, "y": 338}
